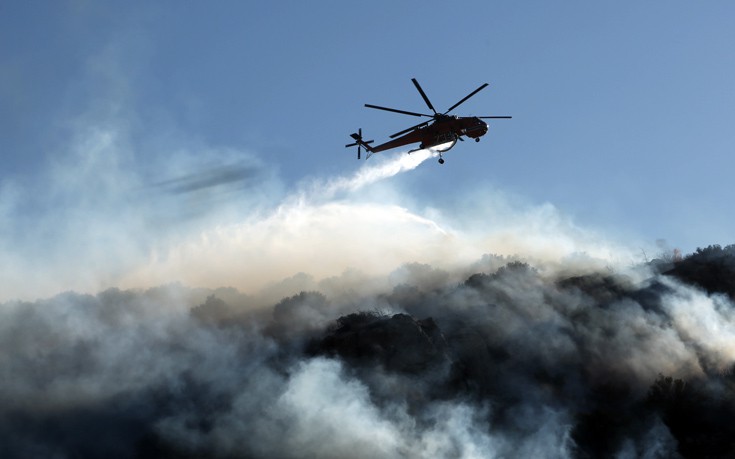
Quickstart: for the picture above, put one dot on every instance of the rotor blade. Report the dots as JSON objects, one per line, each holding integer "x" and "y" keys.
{"x": 396, "y": 110}
{"x": 489, "y": 117}
{"x": 409, "y": 129}
{"x": 466, "y": 97}
{"x": 423, "y": 94}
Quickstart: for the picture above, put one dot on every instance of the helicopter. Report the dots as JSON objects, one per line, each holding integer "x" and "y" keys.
{"x": 441, "y": 129}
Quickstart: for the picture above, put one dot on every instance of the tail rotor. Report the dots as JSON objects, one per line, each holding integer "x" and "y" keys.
{"x": 359, "y": 143}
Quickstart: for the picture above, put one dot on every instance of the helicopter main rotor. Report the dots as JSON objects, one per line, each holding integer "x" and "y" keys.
{"x": 436, "y": 116}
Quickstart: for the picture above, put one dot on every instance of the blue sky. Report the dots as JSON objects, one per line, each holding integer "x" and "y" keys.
{"x": 136, "y": 127}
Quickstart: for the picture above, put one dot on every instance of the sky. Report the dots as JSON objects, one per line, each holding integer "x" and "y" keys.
{"x": 204, "y": 142}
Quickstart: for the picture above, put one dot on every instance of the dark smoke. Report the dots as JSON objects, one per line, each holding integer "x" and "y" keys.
{"x": 514, "y": 361}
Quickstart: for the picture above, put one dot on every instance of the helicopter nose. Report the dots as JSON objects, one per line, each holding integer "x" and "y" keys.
{"x": 478, "y": 130}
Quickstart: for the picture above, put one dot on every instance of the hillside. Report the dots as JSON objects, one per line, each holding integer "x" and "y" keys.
{"x": 516, "y": 361}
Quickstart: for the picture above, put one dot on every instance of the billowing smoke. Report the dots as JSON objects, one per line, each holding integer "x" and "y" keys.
{"x": 515, "y": 360}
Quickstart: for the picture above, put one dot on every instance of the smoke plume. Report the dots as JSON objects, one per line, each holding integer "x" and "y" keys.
{"x": 509, "y": 362}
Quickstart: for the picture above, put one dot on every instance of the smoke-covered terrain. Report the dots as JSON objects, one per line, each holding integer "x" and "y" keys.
{"x": 499, "y": 359}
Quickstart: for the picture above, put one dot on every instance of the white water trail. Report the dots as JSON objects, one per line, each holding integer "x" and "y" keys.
{"x": 379, "y": 170}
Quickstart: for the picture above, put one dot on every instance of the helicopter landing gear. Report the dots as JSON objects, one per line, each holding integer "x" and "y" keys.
{"x": 441, "y": 160}
{"x": 477, "y": 139}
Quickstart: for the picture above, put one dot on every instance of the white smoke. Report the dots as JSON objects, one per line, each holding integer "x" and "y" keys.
{"x": 327, "y": 227}
{"x": 706, "y": 323}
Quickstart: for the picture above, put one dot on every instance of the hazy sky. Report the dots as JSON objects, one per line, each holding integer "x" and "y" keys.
{"x": 130, "y": 132}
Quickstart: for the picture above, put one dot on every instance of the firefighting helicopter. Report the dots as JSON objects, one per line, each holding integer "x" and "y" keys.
{"x": 441, "y": 129}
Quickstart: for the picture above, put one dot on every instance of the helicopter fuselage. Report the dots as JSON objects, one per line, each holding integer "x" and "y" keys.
{"x": 446, "y": 128}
